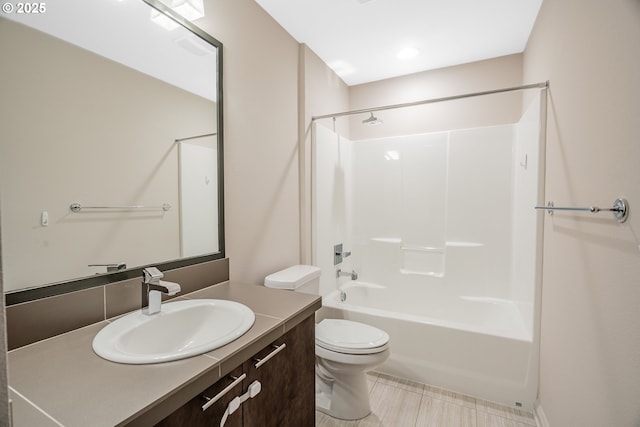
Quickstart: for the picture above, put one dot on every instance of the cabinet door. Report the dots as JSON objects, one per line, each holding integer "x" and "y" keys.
{"x": 192, "y": 415}
{"x": 287, "y": 378}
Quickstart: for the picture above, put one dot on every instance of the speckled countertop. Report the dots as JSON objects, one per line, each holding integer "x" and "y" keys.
{"x": 62, "y": 382}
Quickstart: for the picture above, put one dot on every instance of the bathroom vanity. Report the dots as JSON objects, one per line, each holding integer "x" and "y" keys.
{"x": 61, "y": 381}
{"x": 279, "y": 374}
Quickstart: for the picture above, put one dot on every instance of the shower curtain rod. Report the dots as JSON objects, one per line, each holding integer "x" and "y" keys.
{"x": 196, "y": 137}
{"x": 544, "y": 85}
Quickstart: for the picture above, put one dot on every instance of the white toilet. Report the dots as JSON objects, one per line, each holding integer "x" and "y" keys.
{"x": 345, "y": 350}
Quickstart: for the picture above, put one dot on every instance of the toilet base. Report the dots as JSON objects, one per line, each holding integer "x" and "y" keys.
{"x": 346, "y": 397}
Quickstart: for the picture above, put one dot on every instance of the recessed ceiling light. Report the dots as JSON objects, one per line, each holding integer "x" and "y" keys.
{"x": 408, "y": 53}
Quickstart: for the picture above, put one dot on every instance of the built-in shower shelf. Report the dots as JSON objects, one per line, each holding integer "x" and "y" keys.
{"x": 451, "y": 243}
{"x": 416, "y": 248}
{"x": 393, "y": 240}
{"x": 464, "y": 244}
{"x": 421, "y": 273}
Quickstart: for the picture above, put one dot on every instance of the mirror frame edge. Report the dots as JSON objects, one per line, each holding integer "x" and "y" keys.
{"x": 59, "y": 288}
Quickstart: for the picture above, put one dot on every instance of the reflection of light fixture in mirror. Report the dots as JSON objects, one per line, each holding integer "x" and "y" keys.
{"x": 392, "y": 155}
{"x": 163, "y": 20}
{"x": 188, "y": 9}
{"x": 372, "y": 120}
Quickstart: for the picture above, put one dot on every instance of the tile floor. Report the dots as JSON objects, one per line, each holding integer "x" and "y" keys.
{"x": 401, "y": 403}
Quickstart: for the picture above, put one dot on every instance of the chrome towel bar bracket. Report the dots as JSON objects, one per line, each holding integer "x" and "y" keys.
{"x": 620, "y": 209}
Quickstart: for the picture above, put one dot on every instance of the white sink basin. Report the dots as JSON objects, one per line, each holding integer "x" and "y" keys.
{"x": 182, "y": 329}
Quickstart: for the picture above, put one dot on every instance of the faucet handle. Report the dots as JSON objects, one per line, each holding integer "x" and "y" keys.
{"x": 339, "y": 254}
{"x": 151, "y": 275}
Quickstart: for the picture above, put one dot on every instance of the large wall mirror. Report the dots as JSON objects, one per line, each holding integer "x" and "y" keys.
{"x": 111, "y": 144}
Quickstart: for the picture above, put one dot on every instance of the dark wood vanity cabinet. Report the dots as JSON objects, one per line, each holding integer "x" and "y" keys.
{"x": 287, "y": 382}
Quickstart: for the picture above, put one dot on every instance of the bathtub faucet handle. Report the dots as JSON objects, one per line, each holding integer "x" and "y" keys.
{"x": 339, "y": 254}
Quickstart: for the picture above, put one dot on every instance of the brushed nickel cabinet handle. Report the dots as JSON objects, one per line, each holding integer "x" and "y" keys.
{"x": 211, "y": 401}
{"x": 278, "y": 349}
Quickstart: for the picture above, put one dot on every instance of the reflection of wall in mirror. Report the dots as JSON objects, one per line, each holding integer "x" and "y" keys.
{"x": 70, "y": 133}
{"x": 198, "y": 197}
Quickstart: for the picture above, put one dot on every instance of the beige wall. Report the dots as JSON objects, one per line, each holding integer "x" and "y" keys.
{"x": 478, "y": 76}
{"x": 260, "y": 138}
{"x": 323, "y": 93}
{"x": 590, "y": 343}
{"x": 272, "y": 86}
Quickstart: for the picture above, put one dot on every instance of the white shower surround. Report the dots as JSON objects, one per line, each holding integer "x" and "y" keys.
{"x": 451, "y": 270}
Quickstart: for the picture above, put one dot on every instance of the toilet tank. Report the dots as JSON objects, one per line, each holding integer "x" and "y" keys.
{"x": 299, "y": 278}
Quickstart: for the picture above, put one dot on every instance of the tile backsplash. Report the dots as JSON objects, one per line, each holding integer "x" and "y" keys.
{"x": 37, "y": 320}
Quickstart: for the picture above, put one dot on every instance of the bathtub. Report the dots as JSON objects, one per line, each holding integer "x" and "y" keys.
{"x": 473, "y": 345}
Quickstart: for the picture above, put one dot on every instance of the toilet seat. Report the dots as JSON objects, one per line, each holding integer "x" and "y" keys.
{"x": 349, "y": 337}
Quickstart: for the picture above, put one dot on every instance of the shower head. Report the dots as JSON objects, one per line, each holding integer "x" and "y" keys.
{"x": 372, "y": 120}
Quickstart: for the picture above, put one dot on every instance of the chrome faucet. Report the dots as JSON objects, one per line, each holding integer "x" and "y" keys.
{"x": 353, "y": 274}
{"x": 153, "y": 288}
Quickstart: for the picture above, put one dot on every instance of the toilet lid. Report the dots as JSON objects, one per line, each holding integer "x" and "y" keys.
{"x": 347, "y": 336}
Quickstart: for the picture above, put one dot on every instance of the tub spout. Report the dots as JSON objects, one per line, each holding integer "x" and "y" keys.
{"x": 353, "y": 274}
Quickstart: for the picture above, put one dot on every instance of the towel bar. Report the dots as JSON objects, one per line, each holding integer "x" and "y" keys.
{"x": 620, "y": 209}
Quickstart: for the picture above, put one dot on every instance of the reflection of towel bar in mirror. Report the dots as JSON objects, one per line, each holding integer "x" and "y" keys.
{"x": 77, "y": 207}
{"x": 620, "y": 209}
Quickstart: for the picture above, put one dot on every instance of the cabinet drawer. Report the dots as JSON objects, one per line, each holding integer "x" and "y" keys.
{"x": 192, "y": 414}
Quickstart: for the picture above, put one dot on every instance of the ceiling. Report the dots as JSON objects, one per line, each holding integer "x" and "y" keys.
{"x": 360, "y": 39}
